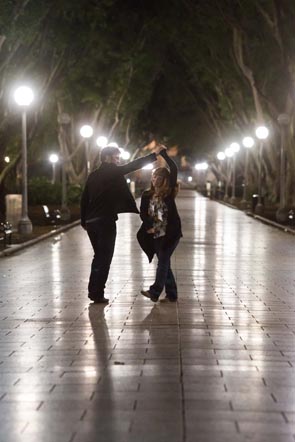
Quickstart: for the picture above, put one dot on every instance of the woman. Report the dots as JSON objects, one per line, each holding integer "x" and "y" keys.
{"x": 161, "y": 228}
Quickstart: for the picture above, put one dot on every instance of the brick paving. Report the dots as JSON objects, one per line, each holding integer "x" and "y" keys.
{"x": 217, "y": 366}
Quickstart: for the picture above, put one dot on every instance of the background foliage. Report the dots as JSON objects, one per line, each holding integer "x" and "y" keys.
{"x": 193, "y": 73}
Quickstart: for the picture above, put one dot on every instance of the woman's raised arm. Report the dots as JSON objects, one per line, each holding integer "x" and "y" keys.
{"x": 172, "y": 167}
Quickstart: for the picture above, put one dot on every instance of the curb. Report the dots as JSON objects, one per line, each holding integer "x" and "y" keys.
{"x": 228, "y": 205}
{"x": 260, "y": 218}
{"x": 31, "y": 242}
{"x": 272, "y": 223}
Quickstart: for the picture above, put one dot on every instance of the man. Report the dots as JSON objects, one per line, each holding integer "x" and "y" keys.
{"x": 105, "y": 195}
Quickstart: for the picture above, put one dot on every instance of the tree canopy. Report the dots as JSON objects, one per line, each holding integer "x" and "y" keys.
{"x": 195, "y": 74}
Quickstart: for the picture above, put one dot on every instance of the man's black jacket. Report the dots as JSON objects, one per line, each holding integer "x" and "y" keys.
{"x": 106, "y": 192}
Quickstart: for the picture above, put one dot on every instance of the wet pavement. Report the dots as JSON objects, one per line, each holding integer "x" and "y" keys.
{"x": 217, "y": 366}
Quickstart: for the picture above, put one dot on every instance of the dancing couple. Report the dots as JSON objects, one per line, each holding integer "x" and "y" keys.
{"x": 106, "y": 194}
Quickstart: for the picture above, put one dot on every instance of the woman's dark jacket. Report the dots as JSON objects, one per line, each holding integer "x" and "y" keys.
{"x": 173, "y": 228}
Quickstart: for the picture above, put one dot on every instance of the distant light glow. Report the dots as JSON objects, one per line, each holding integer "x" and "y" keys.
{"x": 262, "y": 132}
{"x": 86, "y": 131}
{"x": 190, "y": 179}
{"x": 248, "y": 142}
{"x": 124, "y": 154}
{"x": 235, "y": 147}
{"x": 102, "y": 141}
{"x": 229, "y": 152}
{"x": 128, "y": 180}
{"x": 148, "y": 167}
{"x": 23, "y": 96}
{"x": 221, "y": 156}
{"x": 7, "y": 159}
{"x": 201, "y": 166}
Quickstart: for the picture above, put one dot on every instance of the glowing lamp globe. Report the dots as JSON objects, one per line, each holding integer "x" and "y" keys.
{"x": 86, "y": 131}
{"x": 262, "y": 132}
{"x": 23, "y": 96}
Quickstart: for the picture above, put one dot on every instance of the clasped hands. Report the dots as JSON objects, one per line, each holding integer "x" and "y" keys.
{"x": 159, "y": 148}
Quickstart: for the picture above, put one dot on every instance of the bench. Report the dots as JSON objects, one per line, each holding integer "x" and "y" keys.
{"x": 52, "y": 217}
{"x": 5, "y": 233}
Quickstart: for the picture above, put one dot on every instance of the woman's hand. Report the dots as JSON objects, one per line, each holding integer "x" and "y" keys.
{"x": 150, "y": 231}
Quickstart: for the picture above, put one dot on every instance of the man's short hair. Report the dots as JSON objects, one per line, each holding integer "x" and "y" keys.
{"x": 108, "y": 151}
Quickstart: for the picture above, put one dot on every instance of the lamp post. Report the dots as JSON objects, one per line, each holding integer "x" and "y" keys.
{"x": 235, "y": 148}
{"x": 221, "y": 157}
{"x": 282, "y": 212}
{"x": 248, "y": 143}
{"x": 53, "y": 158}
{"x": 86, "y": 132}
{"x": 24, "y": 96}
{"x": 64, "y": 120}
{"x": 228, "y": 153}
{"x": 262, "y": 133}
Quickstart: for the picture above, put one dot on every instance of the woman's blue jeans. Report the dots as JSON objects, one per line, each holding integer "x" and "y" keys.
{"x": 164, "y": 274}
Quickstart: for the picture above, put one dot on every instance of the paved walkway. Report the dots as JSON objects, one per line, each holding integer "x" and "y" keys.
{"x": 216, "y": 367}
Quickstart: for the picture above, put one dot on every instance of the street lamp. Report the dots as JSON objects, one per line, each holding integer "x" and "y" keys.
{"x": 248, "y": 143}
{"x": 235, "y": 148}
{"x": 282, "y": 212}
{"x": 262, "y": 133}
{"x": 102, "y": 141}
{"x": 113, "y": 144}
{"x": 86, "y": 132}
{"x": 53, "y": 158}
{"x": 24, "y": 96}
{"x": 221, "y": 156}
{"x": 125, "y": 155}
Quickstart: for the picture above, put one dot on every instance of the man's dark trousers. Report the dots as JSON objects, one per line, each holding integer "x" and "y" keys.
{"x": 102, "y": 234}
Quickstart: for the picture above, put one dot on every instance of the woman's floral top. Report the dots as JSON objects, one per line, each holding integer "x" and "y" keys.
{"x": 159, "y": 212}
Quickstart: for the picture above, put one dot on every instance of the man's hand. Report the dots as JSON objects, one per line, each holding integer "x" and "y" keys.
{"x": 150, "y": 146}
{"x": 152, "y": 230}
{"x": 159, "y": 148}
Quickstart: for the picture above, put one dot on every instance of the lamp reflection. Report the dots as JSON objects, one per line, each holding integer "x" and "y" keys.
{"x": 56, "y": 276}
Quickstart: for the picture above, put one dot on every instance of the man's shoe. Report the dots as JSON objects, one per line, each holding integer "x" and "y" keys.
{"x": 147, "y": 294}
{"x": 101, "y": 301}
{"x": 98, "y": 300}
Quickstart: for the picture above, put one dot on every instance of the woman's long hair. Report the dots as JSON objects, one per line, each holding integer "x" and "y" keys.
{"x": 164, "y": 190}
